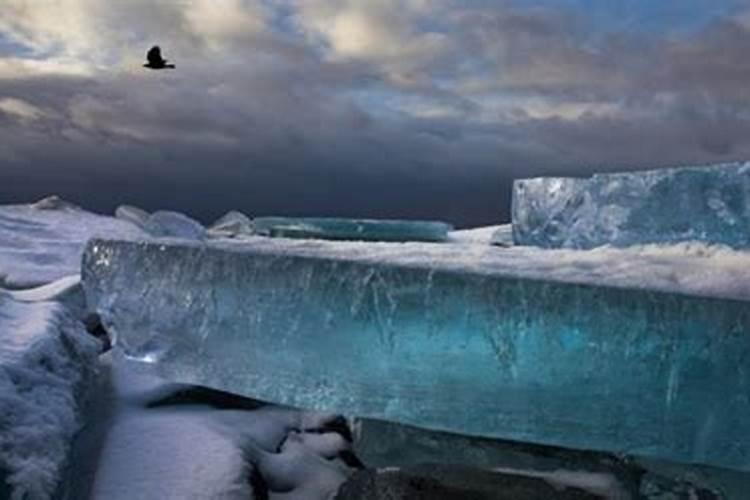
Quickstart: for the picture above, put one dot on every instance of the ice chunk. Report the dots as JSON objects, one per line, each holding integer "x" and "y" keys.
{"x": 446, "y": 337}
{"x": 458, "y": 482}
{"x": 47, "y": 364}
{"x": 166, "y": 224}
{"x": 478, "y": 235}
{"x": 132, "y": 214}
{"x": 710, "y": 204}
{"x": 387, "y": 444}
{"x": 351, "y": 229}
{"x": 232, "y": 225}
{"x": 54, "y": 202}
{"x": 503, "y": 236}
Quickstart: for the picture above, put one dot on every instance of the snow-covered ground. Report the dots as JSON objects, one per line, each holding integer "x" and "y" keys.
{"x": 149, "y": 439}
{"x": 48, "y": 362}
{"x": 42, "y": 243}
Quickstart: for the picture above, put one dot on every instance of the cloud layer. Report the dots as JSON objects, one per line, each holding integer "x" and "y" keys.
{"x": 411, "y": 108}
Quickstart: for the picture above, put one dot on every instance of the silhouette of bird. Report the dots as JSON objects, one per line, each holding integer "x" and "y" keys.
{"x": 155, "y": 60}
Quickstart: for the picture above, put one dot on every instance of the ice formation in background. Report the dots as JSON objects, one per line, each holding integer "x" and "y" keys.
{"x": 166, "y": 224}
{"x": 351, "y": 229}
{"x": 233, "y": 224}
{"x": 620, "y": 351}
{"x": 710, "y": 204}
{"x": 47, "y": 366}
{"x": 132, "y": 214}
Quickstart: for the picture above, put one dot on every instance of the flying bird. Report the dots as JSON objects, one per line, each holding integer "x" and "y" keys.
{"x": 155, "y": 61}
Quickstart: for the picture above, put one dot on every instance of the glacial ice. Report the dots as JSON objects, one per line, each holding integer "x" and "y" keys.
{"x": 641, "y": 352}
{"x": 710, "y": 204}
{"x": 47, "y": 364}
{"x": 351, "y": 229}
{"x": 129, "y": 213}
{"x": 233, "y": 224}
{"x": 167, "y": 224}
{"x": 500, "y": 235}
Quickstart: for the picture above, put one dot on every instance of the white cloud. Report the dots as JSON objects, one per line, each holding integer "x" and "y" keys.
{"x": 218, "y": 22}
{"x": 16, "y": 68}
{"x": 20, "y": 109}
{"x": 389, "y": 33}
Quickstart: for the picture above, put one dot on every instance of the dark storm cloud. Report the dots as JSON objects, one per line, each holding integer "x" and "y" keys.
{"x": 391, "y": 109}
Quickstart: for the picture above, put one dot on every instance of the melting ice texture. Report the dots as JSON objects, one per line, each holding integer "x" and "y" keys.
{"x": 709, "y": 204}
{"x": 500, "y": 343}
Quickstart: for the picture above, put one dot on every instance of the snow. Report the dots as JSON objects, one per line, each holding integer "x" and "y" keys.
{"x": 500, "y": 235}
{"x": 47, "y": 362}
{"x": 40, "y": 245}
{"x": 691, "y": 268}
{"x": 476, "y": 235}
{"x": 166, "y": 441}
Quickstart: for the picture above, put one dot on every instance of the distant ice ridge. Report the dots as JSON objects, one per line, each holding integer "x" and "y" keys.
{"x": 47, "y": 364}
{"x": 636, "y": 351}
{"x": 233, "y": 224}
{"x": 710, "y": 204}
{"x": 332, "y": 228}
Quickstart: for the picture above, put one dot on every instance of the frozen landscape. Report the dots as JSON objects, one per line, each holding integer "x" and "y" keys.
{"x": 593, "y": 348}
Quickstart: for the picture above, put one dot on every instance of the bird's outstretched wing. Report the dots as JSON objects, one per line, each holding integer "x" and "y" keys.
{"x": 154, "y": 55}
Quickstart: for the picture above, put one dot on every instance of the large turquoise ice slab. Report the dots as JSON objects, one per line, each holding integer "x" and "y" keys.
{"x": 710, "y": 204}
{"x": 351, "y": 229}
{"x": 422, "y": 334}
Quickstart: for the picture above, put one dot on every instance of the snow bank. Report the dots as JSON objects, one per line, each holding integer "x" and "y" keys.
{"x": 47, "y": 362}
{"x": 501, "y": 235}
{"x": 43, "y": 242}
{"x": 171, "y": 441}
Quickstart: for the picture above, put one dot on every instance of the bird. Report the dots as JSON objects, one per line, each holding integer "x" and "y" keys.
{"x": 155, "y": 60}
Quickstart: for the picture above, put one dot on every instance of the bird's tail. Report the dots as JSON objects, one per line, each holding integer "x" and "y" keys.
{"x": 170, "y": 66}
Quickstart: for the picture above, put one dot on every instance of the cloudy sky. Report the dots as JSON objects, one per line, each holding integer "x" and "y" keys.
{"x": 379, "y": 108}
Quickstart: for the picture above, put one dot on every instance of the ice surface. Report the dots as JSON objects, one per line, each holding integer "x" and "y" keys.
{"x": 351, "y": 229}
{"x": 623, "y": 351}
{"x": 166, "y": 224}
{"x": 42, "y": 245}
{"x": 458, "y": 482}
{"x": 132, "y": 214}
{"x": 710, "y": 204}
{"x": 387, "y": 444}
{"x": 501, "y": 235}
{"x": 232, "y": 225}
{"x": 47, "y": 364}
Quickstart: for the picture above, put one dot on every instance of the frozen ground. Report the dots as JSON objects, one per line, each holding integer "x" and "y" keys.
{"x": 47, "y": 365}
{"x": 148, "y": 439}
{"x": 40, "y": 243}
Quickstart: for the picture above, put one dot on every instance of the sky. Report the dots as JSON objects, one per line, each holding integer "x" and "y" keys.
{"x": 417, "y": 109}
